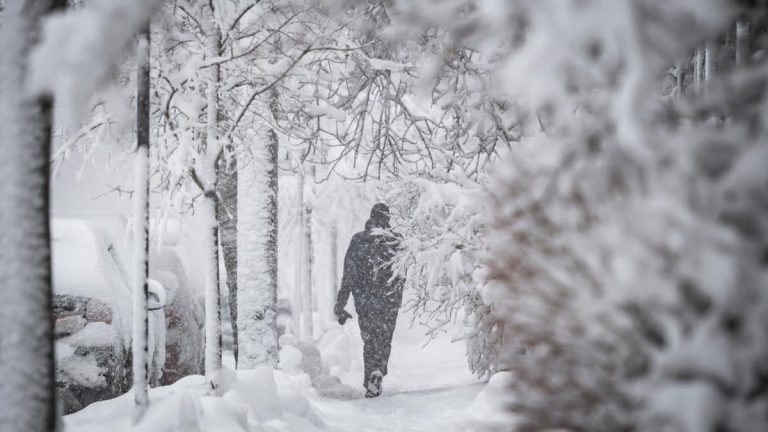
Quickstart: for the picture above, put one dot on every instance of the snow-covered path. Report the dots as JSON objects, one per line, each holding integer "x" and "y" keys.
{"x": 428, "y": 388}
{"x": 422, "y": 410}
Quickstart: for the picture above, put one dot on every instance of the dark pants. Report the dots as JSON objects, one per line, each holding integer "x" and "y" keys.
{"x": 376, "y": 329}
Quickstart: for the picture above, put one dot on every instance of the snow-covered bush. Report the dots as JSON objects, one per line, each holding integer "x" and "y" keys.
{"x": 628, "y": 243}
{"x": 442, "y": 219}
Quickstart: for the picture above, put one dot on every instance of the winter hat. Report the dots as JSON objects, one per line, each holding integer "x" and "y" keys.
{"x": 380, "y": 211}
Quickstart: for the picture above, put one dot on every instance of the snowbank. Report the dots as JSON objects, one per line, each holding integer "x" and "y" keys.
{"x": 309, "y": 365}
{"x": 262, "y": 399}
{"x": 491, "y": 406}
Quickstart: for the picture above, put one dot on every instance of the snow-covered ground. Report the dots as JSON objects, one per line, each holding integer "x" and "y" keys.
{"x": 428, "y": 389}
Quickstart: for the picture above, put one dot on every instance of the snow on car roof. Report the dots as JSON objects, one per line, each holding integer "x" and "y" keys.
{"x": 85, "y": 261}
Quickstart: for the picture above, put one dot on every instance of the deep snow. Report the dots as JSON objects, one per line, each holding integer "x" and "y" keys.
{"x": 429, "y": 388}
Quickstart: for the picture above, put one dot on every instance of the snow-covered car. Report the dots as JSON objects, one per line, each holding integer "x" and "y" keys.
{"x": 92, "y": 312}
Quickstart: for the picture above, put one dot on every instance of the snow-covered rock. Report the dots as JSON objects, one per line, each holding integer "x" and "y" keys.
{"x": 98, "y": 311}
{"x": 330, "y": 386}
{"x": 65, "y": 326}
{"x": 311, "y": 362}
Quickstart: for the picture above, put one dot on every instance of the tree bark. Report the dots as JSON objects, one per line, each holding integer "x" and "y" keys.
{"x": 212, "y": 297}
{"x": 307, "y": 263}
{"x": 226, "y": 213}
{"x": 334, "y": 285}
{"x": 742, "y": 45}
{"x": 212, "y": 292}
{"x": 710, "y": 61}
{"x": 257, "y": 252}
{"x": 140, "y": 287}
{"x": 680, "y": 80}
{"x": 27, "y": 387}
{"x": 698, "y": 68}
{"x": 296, "y": 294}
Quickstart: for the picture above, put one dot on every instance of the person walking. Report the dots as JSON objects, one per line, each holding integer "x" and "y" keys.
{"x": 377, "y": 293}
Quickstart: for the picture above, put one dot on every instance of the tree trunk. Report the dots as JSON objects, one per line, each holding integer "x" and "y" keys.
{"x": 680, "y": 80}
{"x": 212, "y": 292}
{"x": 698, "y": 68}
{"x": 334, "y": 285}
{"x": 26, "y": 341}
{"x": 742, "y": 48}
{"x": 257, "y": 253}
{"x": 140, "y": 288}
{"x": 307, "y": 263}
{"x": 212, "y": 296}
{"x": 710, "y": 61}
{"x": 226, "y": 214}
{"x": 296, "y": 294}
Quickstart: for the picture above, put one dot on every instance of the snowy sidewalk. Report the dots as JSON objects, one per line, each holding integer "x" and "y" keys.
{"x": 427, "y": 389}
{"x": 425, "y": 410}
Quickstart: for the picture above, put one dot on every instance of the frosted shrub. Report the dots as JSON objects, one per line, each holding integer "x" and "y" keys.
{"x": 628, "y": 244}
{"x": 442, "y": 220}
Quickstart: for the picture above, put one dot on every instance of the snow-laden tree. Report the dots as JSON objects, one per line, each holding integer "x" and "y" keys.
{"x": 257, "y": 250}
{"x": 368, "y": 108}
{"x": 421, "y": 112}
{"x": 26, "y": 342}
{"x": 191, "y": 145}
{"x": 260, "y": 44}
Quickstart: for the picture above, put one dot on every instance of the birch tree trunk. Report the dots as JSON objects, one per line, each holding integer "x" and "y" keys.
{"x": 26, "y": 341}
{"x": 257, "y": 253}
{"x": 140, "y": 286}
{"x": 307, "y": 263}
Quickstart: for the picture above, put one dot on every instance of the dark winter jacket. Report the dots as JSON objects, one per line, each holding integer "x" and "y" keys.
{"x": 368, "y": 272}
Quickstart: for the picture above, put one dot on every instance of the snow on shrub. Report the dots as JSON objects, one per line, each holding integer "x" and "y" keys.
{"x": 624, "y": 253}
{"x": 442, "y": 220}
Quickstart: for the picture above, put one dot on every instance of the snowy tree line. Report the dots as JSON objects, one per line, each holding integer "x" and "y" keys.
{"x": 225, "y": 83}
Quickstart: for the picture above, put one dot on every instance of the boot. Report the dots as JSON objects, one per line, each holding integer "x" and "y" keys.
{"x": 374, "y": 385}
